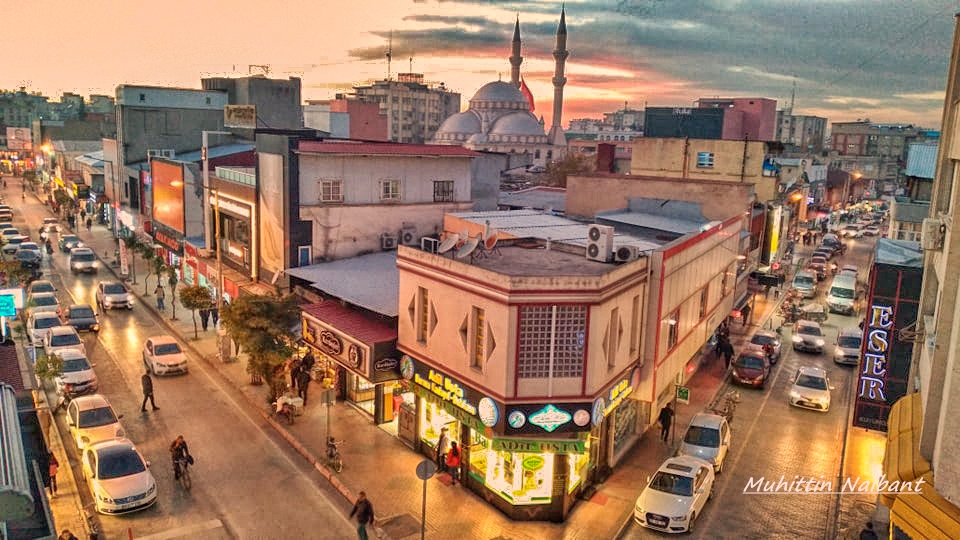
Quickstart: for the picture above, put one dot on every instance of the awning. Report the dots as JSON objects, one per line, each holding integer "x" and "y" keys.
{"x": 902, "y": 460}
{"x": 926, "y": 514}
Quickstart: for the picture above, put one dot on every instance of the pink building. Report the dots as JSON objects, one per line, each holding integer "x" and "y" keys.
{"x": 751, "y": 118}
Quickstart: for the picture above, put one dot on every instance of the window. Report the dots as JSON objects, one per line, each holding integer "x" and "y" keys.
{"x": 443, "y": 191}
{"x": 704, "y": 298}
{"x": 704, "y": 160}
{"x": 304, "y": 256}
{"x": 331, "y": 191}
{"x": 478, "y": 338}
{"x": 560, "y": 329}
{"x": 390, "y": 190}
{"x": 673, "y": 329}
{"x": 613, "y": 338}
{"x": 143, "y": 97}
{"x": 423, "y": 315}
{"x": 635, "y": 325}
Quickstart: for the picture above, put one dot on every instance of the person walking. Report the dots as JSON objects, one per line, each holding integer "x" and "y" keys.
{"x": 442, "y": 450}
{"x": 295, "y": 365}
{"x": 725, "y": 348}
{"x": 89, "y": 224}
{"x": 363, "y": 509}
{"x": 453, "y": 463}
{"x": 215, "y": 315}
{"x": 666, "y": 420}
{"x": 303, "y": 384}
{"x": 146, "y": 383}
{"x": 54, "y": 467}
{"x": 161, "y": 295}
{"x": 204, "y": 318}
{"x": 745, "y": 313}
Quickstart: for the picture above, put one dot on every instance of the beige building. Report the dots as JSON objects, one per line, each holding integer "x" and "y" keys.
{"x": 414, "y": 109}
{"x": 705, "y": 159}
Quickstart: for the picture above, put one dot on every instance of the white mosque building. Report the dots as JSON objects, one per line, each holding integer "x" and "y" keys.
{"x": 499, "y": 118}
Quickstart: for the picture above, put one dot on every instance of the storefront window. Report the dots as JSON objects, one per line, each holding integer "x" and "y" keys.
{"x": 432, "y": 419}
{"x": 520, "y": 478}
{"x": 578, "y": 466}
{"x": 361, "y": 392}
{"x": 624, "y": 424}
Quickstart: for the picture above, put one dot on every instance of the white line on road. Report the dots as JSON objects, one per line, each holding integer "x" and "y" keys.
{"x": 183, "y": 532}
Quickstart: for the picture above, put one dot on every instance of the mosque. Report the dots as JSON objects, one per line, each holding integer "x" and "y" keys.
{"x": 500, "y": 116}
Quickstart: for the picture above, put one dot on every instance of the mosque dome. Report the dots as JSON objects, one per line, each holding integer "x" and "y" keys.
{"x": 461, "y": 123}
{"x": 519, "y": 123}
{"x": 501, "y": 92}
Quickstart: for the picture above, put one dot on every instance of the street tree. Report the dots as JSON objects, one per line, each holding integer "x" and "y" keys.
{"x": 194, "y": 298}
{"x": 572, "y": 164}
{"x": 261, "y": 324}
{"x": 172, "y": 280}
{"x": 134, "y": 246}
{"x": 14, "y": 273}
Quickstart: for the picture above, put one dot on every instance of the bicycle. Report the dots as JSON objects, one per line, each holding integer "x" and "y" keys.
{"x": 183, "y": 464}
{"x": 334, "y": 460}
{"x": 727, "y": 405}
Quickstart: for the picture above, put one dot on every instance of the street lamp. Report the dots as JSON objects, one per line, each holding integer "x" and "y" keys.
{"x": 204, "y": 154}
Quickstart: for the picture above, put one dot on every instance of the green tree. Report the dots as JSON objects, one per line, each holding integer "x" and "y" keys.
{"x": 13, "y": 273}
{"x": 261, "y": 324}
{"x": 572, "y": 164}
{"x": 47, "y": 367}
{"x": 134, "y": 246}
{"x": 64, "y": 202}
{"x": 172, "y": 281}
{"x": 194, "y": 298}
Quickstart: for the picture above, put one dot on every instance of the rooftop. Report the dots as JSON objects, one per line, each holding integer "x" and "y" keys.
{"x": 899, "y": 253}
{"x": 537, "y": 197}
{"x": 532, "y": 258}
{"x": 383, "y": 149}
{"x": 369, "y": 281}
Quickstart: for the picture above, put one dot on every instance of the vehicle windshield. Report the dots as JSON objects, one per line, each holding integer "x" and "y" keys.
{"x": 25, "y": 255}
{"x": 44, "y": 300}
{"x": 119, "y": 464}
{"x": 673, "y": 484}
{"x": 81, "y": 313}
{"x": 75, "y": 364}
{"x": 62, "y": 340}
{"x": 30, "y": 245}
{"x": 840, "y": 292}
{"x": 809, "y": 330}
{"x": 101, "y": 416}
{"x": 114, "y": 288}
{"x": 702, "y": 436}
{"x": 750, "y": 362}
{"x": 803, "y": 281}
{"x": 761, "y": 339}
{"x": 86, "y": 256}
{"x": 46, "y": 322}
{"x": 166, "y": 348}
{"x": 70, "y": 238}
{"x": 809, "y": 381}
{"x": 849, "y": 342}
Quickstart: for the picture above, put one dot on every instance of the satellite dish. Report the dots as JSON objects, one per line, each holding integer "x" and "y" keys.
{"x": 468, "y": 246}
{"x": 448, "y": 243}
{"x": 464, "y": 236}
{"x": 490, "y": 242}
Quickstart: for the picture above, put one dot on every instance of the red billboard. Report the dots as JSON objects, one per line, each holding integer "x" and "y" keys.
{"x": 168, "y": 186}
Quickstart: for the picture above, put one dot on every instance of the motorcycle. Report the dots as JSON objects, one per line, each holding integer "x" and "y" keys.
{"x": 49, "y": 246}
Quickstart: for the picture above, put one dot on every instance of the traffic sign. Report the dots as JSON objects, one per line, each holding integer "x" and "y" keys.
{"x": 8, "y": 306}
{"x": 683, "y": 395}
{"x": 426, "y": 469}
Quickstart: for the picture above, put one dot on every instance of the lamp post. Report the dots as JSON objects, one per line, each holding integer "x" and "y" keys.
{"x": 215, "y": 240}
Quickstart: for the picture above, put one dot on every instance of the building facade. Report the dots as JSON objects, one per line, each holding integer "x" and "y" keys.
{"x": 277, "y": 101}
{"x": 752, "y": 119}
{"x": 801, "y": 134}
{"x": 414, "y": 110}
{"x": 346, "y": 118}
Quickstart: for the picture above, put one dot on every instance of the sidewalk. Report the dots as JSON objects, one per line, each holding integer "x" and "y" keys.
{"x": 379, "y": 463}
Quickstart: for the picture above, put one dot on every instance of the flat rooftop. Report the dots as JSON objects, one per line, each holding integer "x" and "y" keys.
{"x": 528, "y": 257}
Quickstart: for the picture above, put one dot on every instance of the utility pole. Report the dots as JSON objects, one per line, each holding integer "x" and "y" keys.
{"x": 215, "y": 240}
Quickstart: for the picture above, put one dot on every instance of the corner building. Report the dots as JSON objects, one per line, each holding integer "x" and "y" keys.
{"x": 528, "y": 354}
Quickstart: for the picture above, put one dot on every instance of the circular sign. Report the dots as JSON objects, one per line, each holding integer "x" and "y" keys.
{"x": 599, "y": 405}
{"x": 330, "y": 343}
{"x": 516, "y": 419}
{"x": 406, "y": 367}
{"x": 426, "y": 469}
{"x": 581, "y": 418}
{"x": 488, "y": 412}
{"x": 355, "y": 356}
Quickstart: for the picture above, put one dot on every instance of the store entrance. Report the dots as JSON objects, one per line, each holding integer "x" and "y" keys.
{"x": 396, "y": 395}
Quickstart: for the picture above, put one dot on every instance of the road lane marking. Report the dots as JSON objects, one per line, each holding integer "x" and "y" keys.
{"x": 186, "y": 531}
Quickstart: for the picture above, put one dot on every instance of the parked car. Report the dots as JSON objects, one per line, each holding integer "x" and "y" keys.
{"x": 61, "y": 337}
{"x": 12, "y": 244}
{"x": 31, "y": 246}
{"x": 28, "y": 258}
{"x": 805, "y": 283}
{"x": 825, "y": 252}
{"x": 7, "y": 225}
{"x": 850, "y": 269}
{"x": 38, "y": 324}
{"x": 707, "y": 438}
{"x": 68, "y": 242}
{"x": 871, "y": 230}
{"x": 83, "y": 259}
{"x": 77, "y": 377}
{"x": 38, "y": 302}
{"x": 113, "y": 295}
{"x": 831, "y": 240}
{"x": 767, "y": 337}
{"x": 41, "y": 285}
{"x": 91, "y": 419}
{"x": 808, "y": 336}
{"x": 51, "y": 223}
{"x": 81, "y": 317}
{"x": 847, "y": 349}
{"x": 751, "y": 368}
{"x": 162, "y": 355}
{"x": 811, "y": 389}
{"x": 675, "y": 495}
{"x": 119, "y": 477}
{"x": 10, "y": 231}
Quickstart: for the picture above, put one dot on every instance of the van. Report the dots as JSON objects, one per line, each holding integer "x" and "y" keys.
{"x": 842, "y": 293}
{"x": 805, "y": 283}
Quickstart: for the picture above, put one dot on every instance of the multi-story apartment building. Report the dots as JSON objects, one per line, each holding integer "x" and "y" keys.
{"x": 414, "y": 109}
{"x": 800, "y": 134}
{"x": 19, "y": 108}
{"x": 752, "y": 119}
{"x": 877, "y": 152}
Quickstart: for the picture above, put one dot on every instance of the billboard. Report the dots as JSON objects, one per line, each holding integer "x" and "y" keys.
{"x": 168, "y": 190}
{"x": 240, "y": 116}
{"x": 19, "y": 138}
{"x": 271, "y": 211}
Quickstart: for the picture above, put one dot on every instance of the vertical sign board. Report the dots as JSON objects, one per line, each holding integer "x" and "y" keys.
{"x": 889, "y": 328}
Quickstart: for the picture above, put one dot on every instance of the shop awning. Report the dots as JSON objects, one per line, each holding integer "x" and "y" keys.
{"x": 926, "y": 514}
{"x": 359, "y": 326}
{"x": 902, "y": 460}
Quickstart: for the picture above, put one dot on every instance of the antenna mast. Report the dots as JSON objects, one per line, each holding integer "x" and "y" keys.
{"x": 389, "y": 53}
{"x": 793, "y": 95}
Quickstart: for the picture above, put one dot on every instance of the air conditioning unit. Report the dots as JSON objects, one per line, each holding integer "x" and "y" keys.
{"x": 626, "y": 254}
{"x": 408, "y": 236}
{"x": 932, "y": 234}
{"x": 388, "y": 241}
{"x": 600, "y": 243}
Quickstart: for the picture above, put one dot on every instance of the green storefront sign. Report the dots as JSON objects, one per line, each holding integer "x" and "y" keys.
{"x": 463, "y": 416}
{"x": 533, "y": 446}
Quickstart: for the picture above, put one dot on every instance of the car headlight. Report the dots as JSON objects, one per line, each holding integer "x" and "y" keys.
{"x": 152, "y": 489}
{"x": 819, "y": 343}
{"x": 794, "y": 394}
{"x": 797, "y": 339}
{"x": 96, "y": 327}
{"x": 679, "y": 518}
{"x": 120, "y": 432}
{"x": 838, "y": 352}
{"x": 104, "y": 498}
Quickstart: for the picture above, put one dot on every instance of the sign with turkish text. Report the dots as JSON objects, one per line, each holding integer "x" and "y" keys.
{"x": 168, "y": 238}
{"x": 352, "y": 354}
{"x": 535, "y": 446}
{"x": 240, "y": 116}
{"x": 124, "y": 260}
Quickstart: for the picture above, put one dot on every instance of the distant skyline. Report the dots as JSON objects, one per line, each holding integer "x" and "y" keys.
{"x": 855, "y": 59}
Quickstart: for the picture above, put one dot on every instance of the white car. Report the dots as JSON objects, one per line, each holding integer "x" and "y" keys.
{"x": 41, "y": 302}
{"x": 707, "y": 438}
{"x": 871, "y": 230}
{"x": 60, "y": 338}
{"x": 113, "y": 295}
{"x": 83, "y": 259}
{"x": 808, "y": 336}
{"x": 811, "y": 389}
{"x": 39, "y": 286}
{"x": 77, "y": 377}
{"x": 676, "y": 495}
{"x": 162, "y": 355}
{"x": 38, "y": 324}
{"x": 91, "y": 419}
{"x": 119, "y": 477}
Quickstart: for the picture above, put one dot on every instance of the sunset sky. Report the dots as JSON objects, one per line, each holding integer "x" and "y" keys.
{"x": 885, "y": 60}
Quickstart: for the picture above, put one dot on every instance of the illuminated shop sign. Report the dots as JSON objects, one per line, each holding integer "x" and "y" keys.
{"x": 537, "y": 418}
{"x": 620, "y": 390}
{"x": 533, "y": 446}
{"x": 550, "y": 418}
{"x": 874, "y": 370}
{"x": 446, "y": 388}
{"x": 173, "y": 242}
{"x": 333, "y": 344}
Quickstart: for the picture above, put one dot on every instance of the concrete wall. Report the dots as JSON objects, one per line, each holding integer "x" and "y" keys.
{"x": 587, "y": 195}
{"x": 485, "y": 180}
{"x": 337, "y": 124}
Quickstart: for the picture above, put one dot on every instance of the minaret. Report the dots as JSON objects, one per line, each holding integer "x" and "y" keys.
{"x": 560, "y": 54}
{"x": 515, "y": 58}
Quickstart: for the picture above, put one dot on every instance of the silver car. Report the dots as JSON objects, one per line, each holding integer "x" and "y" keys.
{"x": 113, "y": 295}
{"x": 847, "y": 349}
{"x": 83, "y": 259}
{"x": 808, "y": 336}
{"x": 707, "y": 438}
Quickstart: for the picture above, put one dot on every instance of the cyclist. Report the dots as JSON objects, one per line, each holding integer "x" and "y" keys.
{"x": 331, "y": 448}
{"x": 178, "y": 452}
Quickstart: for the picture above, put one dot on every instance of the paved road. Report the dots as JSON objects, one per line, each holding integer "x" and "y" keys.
{"x": 771, "y": 439}
{"x": 246, "y": 485}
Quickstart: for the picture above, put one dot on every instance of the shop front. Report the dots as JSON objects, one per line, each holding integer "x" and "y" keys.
{"x": 236, "y": 224}
{"x": 127, "y": 222}
{"x": 172, "y": 242}
{"x": 529, "y": 460}
{"x": 358, "y": 352}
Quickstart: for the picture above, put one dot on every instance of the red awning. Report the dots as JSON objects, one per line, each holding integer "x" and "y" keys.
{"x": 352, "y": 322}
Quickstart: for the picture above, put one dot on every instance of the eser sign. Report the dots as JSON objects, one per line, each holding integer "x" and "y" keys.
{"x": 874, "y": 371}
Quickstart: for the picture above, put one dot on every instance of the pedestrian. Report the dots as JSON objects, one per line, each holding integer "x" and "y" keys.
{"x": 295, "y": 365}
{"x": 665, "y": 419}
{"x": 67, "y": 535}
{"x": 146, "y": 383}
{"x": 303, "y": 384}
{"x": 83, "y": 214}
{"x": 453, "y": 463}
{"x": 363, "y": 509}
{"x": 89, "y": 224}
{"x": 204, "y": 318}
{"x": 745, "y": 313}
{"x": 442, "y": 450}
{"x": 215, "y": 315}
{"x": 54, "y": 467}
{"x": 161, "y": 294}
{"x": 307, "y": 363}
{"x": 868, "y": 533}
{"x": 725, "y": 348}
